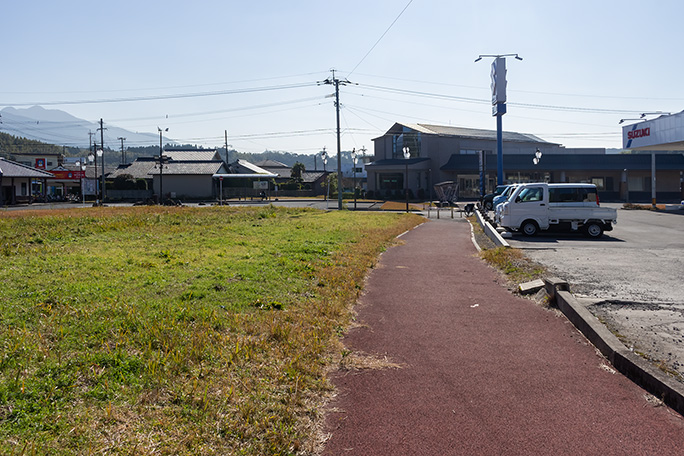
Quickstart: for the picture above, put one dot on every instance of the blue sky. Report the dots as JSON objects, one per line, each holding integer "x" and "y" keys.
{"x": 193, "y": 66}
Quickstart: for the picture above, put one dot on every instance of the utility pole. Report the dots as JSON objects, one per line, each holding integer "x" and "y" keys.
{"x": 226, "y": 138}
{"x": 102, "y": 129}
{"x": 123, "y": 156}
{"x": 336, "y": 82}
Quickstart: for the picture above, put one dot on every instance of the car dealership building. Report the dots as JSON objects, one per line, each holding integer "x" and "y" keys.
{"x": 446, "y": 153}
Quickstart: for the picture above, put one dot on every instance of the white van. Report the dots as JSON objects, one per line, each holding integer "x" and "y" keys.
{"x": 564, "y": 207}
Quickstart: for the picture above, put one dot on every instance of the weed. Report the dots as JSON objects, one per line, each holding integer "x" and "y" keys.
{"x": 513, "y": 263}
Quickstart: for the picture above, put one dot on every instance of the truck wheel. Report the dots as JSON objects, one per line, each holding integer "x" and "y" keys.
{"x": 529, "y": 228}
{"x": 593, "y": 230}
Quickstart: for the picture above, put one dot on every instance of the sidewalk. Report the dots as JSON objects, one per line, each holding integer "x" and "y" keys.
{"x": 483, "y": 372}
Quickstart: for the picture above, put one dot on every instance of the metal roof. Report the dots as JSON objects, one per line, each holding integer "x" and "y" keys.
{"x": 193, "y": 155}
{"x": 271, "y": 164}
{"x": 467, "y": 133}
{"x": 245, "y": 167}
{"x": 138, "y": 169}
{"x": 10, "y": 168}
{"x": 396, "y": 161}
{"x": 197, "y": 168}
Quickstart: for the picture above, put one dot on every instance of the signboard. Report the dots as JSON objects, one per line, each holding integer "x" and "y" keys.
{"x": 40, "y": 163}
{"x": 664, "y": 133}
{"x": 69, "y": 175}
{"x": 483, "y": 167}
{"x": 260, "y": 185}
{"x": 499, "y": 80}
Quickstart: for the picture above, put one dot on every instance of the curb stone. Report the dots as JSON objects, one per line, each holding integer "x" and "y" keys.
{"x": 632, "y": 366}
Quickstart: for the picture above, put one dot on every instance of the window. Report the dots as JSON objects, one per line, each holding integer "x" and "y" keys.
{"x": 408, "y": 138}
{"x": 588, "y": 195}
{"x": 391, "y": 181}
{"x": 599, "y": 182}
{"x": 563, "y": 195}
{"x": 531, "y": 194}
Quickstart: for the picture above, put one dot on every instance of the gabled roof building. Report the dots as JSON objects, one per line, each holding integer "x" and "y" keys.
{"x": 446, "y": 153}
{"x": 19, "y": 182}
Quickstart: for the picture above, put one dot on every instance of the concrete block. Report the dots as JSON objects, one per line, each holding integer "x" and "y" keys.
{"x": 531, "y": 287}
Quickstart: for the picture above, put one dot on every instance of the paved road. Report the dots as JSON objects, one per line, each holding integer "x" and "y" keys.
{"x": 634, "y": 271}
{"x": 483, "y": 372}
{"x": 642, "y": 259}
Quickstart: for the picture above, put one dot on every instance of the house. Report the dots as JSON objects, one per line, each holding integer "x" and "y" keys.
{"x": 180, "y": 174}
{"x": 20, "y": 183}
{"x": 446, "y": 153}
{"x": 313, "y": 181}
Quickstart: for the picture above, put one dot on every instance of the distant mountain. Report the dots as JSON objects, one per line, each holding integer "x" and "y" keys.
{"x": 58, "y": 127}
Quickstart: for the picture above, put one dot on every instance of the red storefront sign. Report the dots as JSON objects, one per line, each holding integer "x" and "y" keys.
{"x": 73, "y": 175}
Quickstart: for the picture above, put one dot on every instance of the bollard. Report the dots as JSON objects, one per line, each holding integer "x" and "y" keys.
{"x": 452, "y": 211}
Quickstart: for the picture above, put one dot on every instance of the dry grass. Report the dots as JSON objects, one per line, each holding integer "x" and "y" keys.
{"x": 397, "y": 206}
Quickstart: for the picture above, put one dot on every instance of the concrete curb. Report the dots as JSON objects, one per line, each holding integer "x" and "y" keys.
{"x": 490, "y": 231}
{"x": 623, "y": 360}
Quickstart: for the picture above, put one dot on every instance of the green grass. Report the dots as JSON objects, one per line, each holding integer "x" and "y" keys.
{"x": 175, "y": 330}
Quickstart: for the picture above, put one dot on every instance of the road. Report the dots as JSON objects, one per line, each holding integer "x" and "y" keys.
{"x": 444, "y": 360}
{"x": 635, "y": 274}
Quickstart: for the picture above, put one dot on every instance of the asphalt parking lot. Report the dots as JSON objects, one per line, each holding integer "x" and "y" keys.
{"x": 631, "y": 278}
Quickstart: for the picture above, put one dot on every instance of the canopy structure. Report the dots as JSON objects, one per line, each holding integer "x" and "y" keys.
{"x": 242, "y": 176}
{"x": 662, "y": 133}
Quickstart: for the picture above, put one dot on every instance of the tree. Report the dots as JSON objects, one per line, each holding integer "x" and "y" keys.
{"x": 297, "y": 171}
{"x": 296, "y": 179}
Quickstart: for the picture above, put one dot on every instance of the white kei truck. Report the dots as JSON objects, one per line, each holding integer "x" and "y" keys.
{"x": 559, "y": 207}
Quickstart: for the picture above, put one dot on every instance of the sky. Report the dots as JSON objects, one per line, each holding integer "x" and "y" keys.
{"x": 251, "y": 68}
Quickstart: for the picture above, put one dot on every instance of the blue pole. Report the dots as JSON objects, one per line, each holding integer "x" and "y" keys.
{"x": 499, "y": 150}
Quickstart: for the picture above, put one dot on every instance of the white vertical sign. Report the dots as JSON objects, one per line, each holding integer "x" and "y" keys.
{"x": 499, "y": 80}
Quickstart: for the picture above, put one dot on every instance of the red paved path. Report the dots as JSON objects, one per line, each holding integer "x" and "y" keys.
{"x": 486, "y": 373}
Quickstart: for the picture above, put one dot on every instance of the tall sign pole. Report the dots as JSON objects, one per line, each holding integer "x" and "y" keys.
{"x": 499, "y": 105}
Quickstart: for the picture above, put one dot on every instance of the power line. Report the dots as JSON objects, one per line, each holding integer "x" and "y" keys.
{"x": 483, "y": 101}
{"x": 381, "y": 37}
{"x": 146, "y": 89}
{"x": 164, "y": 97}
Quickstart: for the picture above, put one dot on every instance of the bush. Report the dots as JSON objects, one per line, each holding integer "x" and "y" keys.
{"x": 124, "y": 182}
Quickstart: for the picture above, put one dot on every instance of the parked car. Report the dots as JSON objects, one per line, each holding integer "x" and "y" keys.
{"x": 564, "y": 207}
{"x": 503, "y": 196}
{"x": 487, "y": 201}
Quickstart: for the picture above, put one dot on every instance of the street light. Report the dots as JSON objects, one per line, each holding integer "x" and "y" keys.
{"x": 407, "y": 155}
{"x": 354, "y": 158}
{"x": 91, "y": 159}
{"x": 100, "y": 153}
{"x": 162, "y": 159}
{"x": 82, "y": 167}
{"x": 537, "y": 157}
{"x": 324, "y": 156}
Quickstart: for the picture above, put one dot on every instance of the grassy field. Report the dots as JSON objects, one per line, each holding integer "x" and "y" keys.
{"x": 176, "y": 330}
